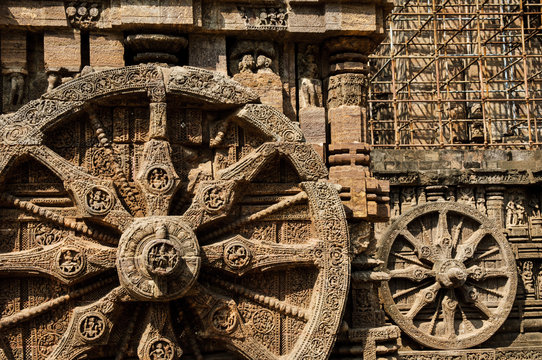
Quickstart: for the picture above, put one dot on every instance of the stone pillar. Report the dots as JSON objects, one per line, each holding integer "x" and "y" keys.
{"x": 346, "y": 85}
{"x": 312, "y": 113}
{"x": 436, "y": 193}
{"x": 366, "y": 199}
{"x": 495, "y": 204}
{"x": 14, "y": 69}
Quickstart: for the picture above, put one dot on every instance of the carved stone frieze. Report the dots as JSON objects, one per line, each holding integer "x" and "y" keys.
{"x": 83, "y": 14}
{"x": 264, "y": 18}
{"x": 347, "y": 89}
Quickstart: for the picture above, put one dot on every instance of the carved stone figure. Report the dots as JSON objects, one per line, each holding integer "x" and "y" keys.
{"x": 251, "y": 56}
{"x": 311, "y": 85}
{"x": 515, "y": 210}
{"x": 264, "y": 18}
{"x": 53, "y": 80}
{"x": 247, "y": 64}
{"x": 16, "y": 96}
{"x": 263, "y": 64}
{"x": 534, "y": 207}
{"x": 527, "y": 277}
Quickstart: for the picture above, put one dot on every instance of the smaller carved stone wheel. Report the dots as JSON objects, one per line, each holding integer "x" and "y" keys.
{"x": 453, "y": 275}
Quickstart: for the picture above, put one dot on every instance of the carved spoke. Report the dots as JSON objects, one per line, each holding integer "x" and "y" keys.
{"x": 404, "y": 292}
{"x": 456, "y": 233}
{"x": 213, "y": 201}
{"x": 478, "y": 273}
{"x": 223, "y": 322}
{"x": 465, "y": 321}
{"x": 424, "y": 251}
{"x": 472, "y": 296}
{"x": 129, "y": 193}
{"x": 425, "y": 297}
{"x": 69, "y": 261}
{"x": 449, "y": 305}
{"x": 443, "y": 241}
{"x": 158, "y": 335}
{"x": 30, "y": 313}
{"x": 157, "y": 177}
{"x": 487, "y": 290}
{"x": 239, "y": 255}
{"x": 435, "y": 316}
{"x": 55, "y": 218}
{"x": 281, "y": 205}
{"x": 408, "y": 259}
{"x": 268, "y": 301}
{"x": 89, "y": 326}
{"x": 467, "y": 249}
{"x": 414, "y": 273}
{"x": 93, "y": 196}
{"x": 489, "y": 252}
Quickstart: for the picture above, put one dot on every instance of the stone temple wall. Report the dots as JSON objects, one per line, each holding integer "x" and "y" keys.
{"x": 193, "y": 179}
{"x": 454, "y": 125}
{"x": 189, "y": 179}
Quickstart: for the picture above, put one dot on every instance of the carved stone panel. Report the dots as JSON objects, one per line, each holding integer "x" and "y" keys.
{"x": 128, "y": 241}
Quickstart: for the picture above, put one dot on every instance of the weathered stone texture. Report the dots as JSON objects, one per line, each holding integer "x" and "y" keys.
{"x": 106, "y": 50}
{"x": 62, "y": 49}
{"x": 189, "y": 179}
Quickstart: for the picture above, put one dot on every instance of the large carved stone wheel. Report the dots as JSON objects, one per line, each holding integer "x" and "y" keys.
{"x": 453, "y": 275}
{"x": 159, "y": 213}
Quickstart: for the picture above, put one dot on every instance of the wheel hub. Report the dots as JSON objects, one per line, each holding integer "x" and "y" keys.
{"x": 451, "y": 274}
{"x": 158, "y": 258}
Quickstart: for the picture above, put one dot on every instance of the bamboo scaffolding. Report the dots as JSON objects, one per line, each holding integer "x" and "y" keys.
{"x": 458, "y": 73}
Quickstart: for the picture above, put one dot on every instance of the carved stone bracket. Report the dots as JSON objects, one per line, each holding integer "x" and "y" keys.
{"x": 83, "y": 14}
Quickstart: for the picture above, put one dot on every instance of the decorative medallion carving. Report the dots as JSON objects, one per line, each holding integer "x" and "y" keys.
{"x": 161, "y": 349}
{"x": 70, "y": 261}
{"x": 83, "y": 14}
{"x": 92, "y": 327}
{"x": 158, "y": 179}
{"x": 98, "y": 200}
{"x": 158, "y": 258}
{"x": 236, "y": 255}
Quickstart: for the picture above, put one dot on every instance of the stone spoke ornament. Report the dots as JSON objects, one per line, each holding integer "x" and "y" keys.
{"x": 180, "y": 236}
{"x": 69, "y": 261}
{"x": 453, "y": 275}
{"x": 240, "y": 255}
